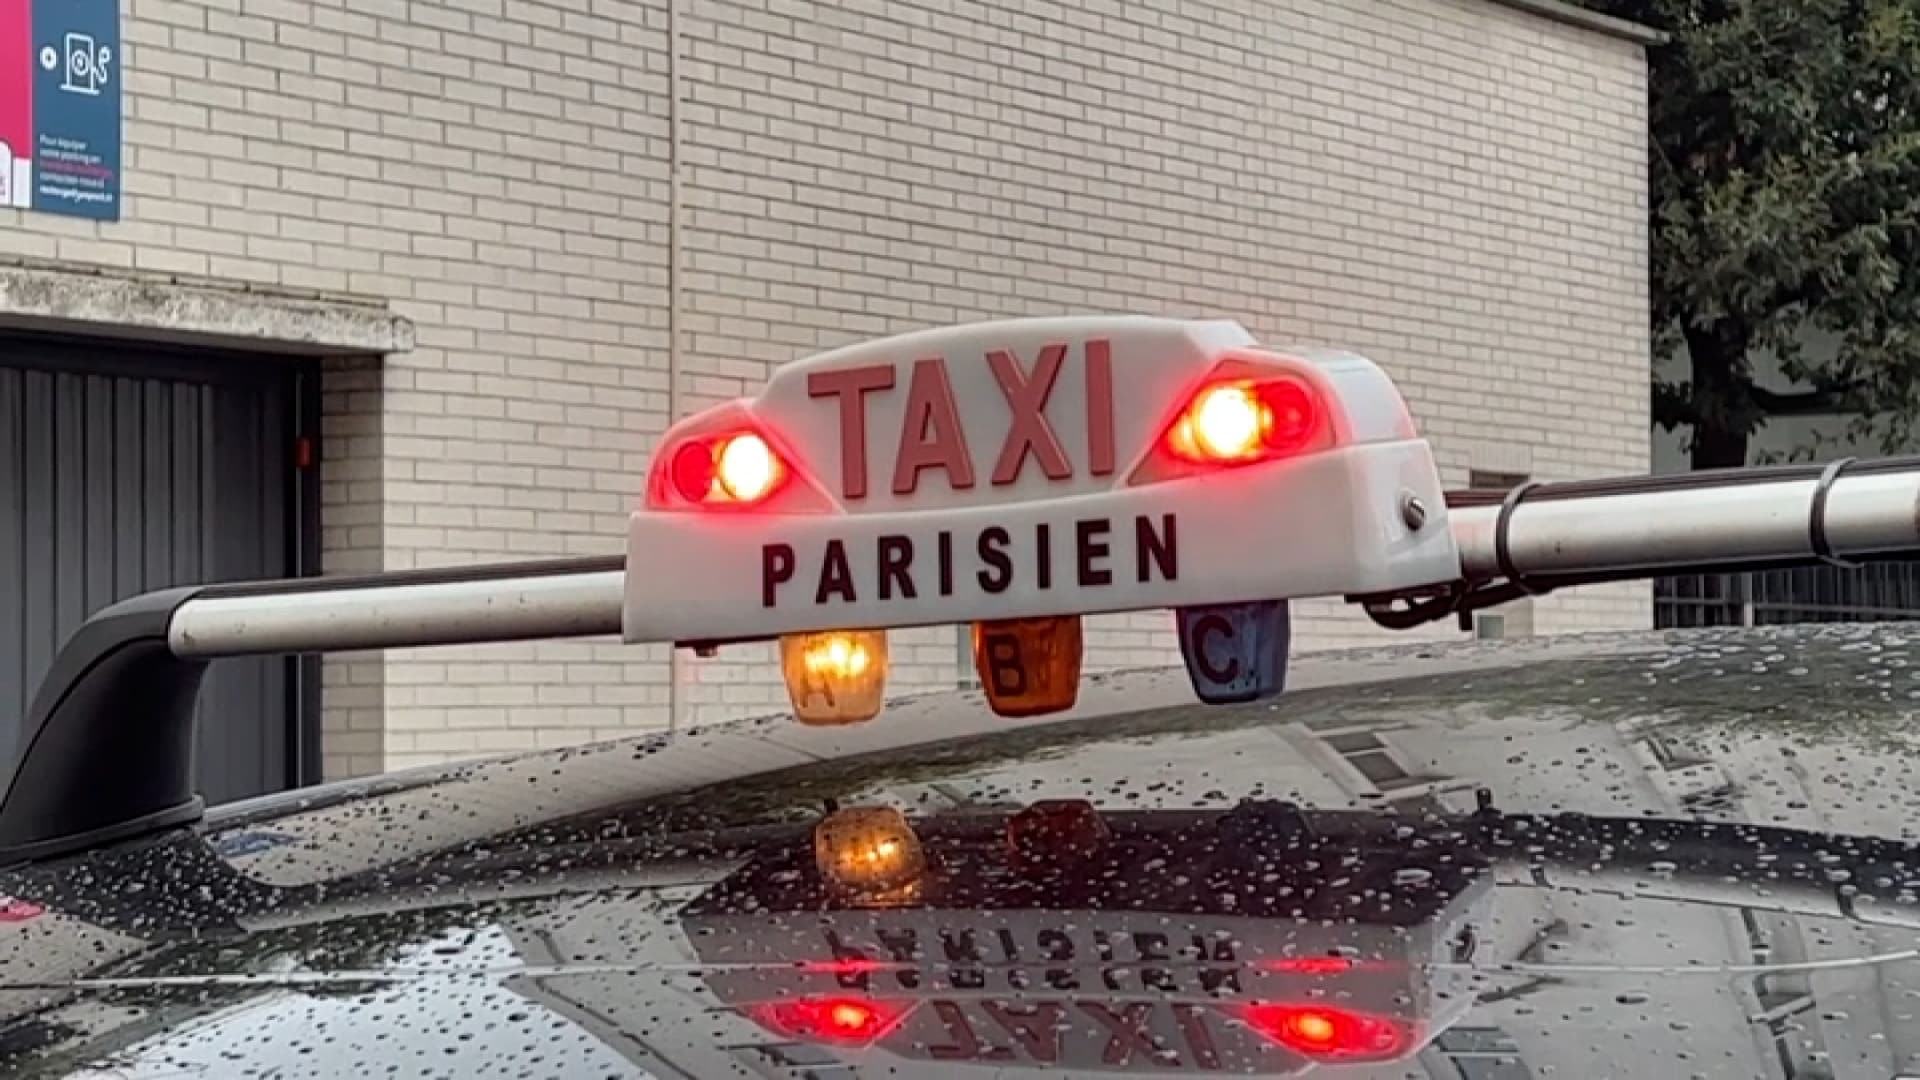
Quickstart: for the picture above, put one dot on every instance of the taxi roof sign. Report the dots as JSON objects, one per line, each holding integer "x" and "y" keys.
{"x": 1023, "y": 468}
{"x": 1035, "y": 513}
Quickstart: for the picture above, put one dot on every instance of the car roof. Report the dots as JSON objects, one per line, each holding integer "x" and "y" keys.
{"x": 557, "y": 887}
{"x": 1623, "y": 673}
{"x": 938, "y": 716}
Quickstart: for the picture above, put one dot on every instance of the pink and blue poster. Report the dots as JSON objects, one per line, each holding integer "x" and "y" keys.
{"x": 60, "y": 119}
{"x": 16, "y": 102}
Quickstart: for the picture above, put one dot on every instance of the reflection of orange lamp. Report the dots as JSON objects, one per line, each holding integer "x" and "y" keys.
{"x": 838, "y": 677}
{"x": 868, "y": 850}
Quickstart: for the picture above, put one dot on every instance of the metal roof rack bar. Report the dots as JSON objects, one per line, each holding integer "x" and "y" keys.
{"x": 1549, "y": 536}
{"x": 492, "y": 604}
{"x": 109, "y": 736}
{"x": 109, "y": 750}
{"x": 1604, "y": 530}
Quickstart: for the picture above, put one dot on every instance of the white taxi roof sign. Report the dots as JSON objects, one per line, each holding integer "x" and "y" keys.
{"x": 1357, "y": 513}
{"x": 1014, "y": 469}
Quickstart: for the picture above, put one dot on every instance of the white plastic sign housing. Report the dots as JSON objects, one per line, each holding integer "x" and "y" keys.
{"x": 1021, "y": 468}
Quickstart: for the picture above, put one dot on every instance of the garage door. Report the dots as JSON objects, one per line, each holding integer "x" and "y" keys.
{"x": 122, "y": 470}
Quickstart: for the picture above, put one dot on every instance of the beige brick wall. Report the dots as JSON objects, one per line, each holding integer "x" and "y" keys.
{"x": 1453, "y": 187}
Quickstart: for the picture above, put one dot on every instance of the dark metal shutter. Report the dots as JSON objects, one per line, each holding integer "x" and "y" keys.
{"x": 122, "y": 470}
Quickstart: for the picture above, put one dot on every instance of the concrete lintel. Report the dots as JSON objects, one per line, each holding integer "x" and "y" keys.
{"x": 1561, "y": 11}
{"x": 209, "y": 313}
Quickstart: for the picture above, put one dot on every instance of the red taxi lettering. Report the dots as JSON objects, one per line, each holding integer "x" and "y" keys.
{"x": 904, "y": 570}
{"x": 1100, "y": 407}
{"x": 1026, "y": 396}
{"x": 851, "y": 386}
{"x": 932, "y": 434}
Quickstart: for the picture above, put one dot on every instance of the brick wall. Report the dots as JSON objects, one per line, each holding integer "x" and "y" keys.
{"x": 1453, "y": 187}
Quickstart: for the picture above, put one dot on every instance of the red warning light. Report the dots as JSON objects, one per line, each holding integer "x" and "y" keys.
{"x": 1326, "y": 1033}
{"x": 693, "y": 470}
{"x": 1250, "y": 409}
{"x": 1245, "y": 420}
{"x": 740, "y": 469}
{"x": 842, "y": 1021}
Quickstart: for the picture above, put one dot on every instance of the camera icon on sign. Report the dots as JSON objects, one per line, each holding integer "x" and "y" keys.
{"x": 87, "y": 65}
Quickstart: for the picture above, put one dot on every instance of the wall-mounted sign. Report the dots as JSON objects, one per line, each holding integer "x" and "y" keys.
{"x": 60, "y": 106}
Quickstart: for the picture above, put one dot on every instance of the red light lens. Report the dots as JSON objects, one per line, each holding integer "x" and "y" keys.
{"x": 1245, "y": 420}
{"x": 693, "y": 470}
{"x": 1325, "y": 1033}
{"x": 1292, "y": 414}
{"x": 740, "y": 469}
{"x": 843, "y": 1021}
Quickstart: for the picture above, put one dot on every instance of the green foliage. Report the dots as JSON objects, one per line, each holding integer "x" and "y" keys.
{"x": 1785, "y": 182}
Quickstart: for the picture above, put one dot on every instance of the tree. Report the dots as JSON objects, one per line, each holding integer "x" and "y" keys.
{"x": 1785, "y": 190}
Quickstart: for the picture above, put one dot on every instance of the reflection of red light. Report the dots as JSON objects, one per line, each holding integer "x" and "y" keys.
{"x": 14, "y": 911}
{"x": 1328, "y": 1033}
{"x": 1311, "y": 965}
{"x": 844, "y": 967}
{"x": 846, "y": 1021}
{"x": 1056, "y": 831}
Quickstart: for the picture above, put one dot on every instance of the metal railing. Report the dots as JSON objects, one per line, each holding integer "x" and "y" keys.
{"x": 1881, "y": 592}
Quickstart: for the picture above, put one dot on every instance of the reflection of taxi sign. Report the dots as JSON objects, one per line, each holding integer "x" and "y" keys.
{"x": 1019, "y": 475}
{"x": 1086, "y": 990}
{"x": 1058, "y": 938}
